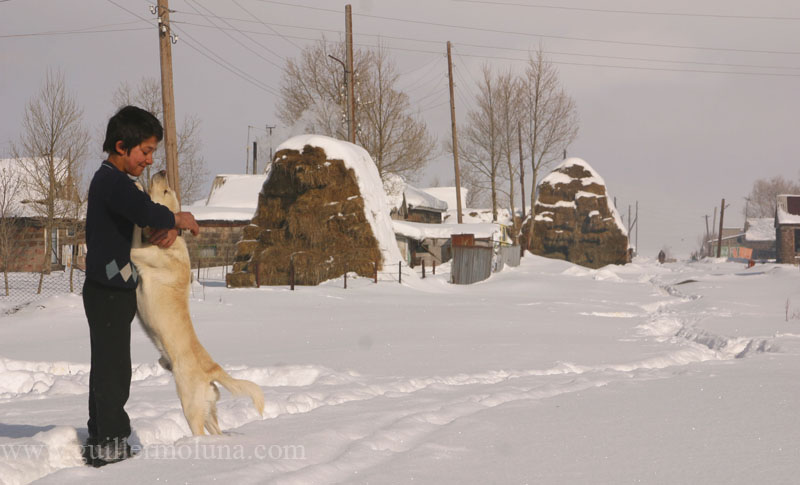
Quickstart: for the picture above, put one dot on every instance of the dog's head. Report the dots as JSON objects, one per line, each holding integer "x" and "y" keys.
{"x": 161, "y": 192}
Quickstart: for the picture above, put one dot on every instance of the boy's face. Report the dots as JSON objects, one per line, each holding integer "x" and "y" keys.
{"x": 140, "y": 157}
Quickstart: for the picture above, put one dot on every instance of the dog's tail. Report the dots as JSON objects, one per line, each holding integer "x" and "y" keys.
{"x": 240, "y": 387}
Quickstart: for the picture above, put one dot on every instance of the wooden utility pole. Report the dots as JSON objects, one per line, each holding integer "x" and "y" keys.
{"x": 708, "y": 235}
{"x": 255, "y": 157}
{"x": 351, "y": 99}
{"x": 455, "y": 136}
{"x": 719, "y": 237}
{"x": 637, "y": 227}
{"x": 165, "y": 39}
{"x": 521, "y": 171}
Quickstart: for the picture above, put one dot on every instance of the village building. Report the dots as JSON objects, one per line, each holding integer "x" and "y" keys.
{"x": 23, "y": 227}
{"x": 787, "y": 229}
{"x": 759, "y": 236}
{"x": 222, "y": 217}
{"x": 408, "y": 203}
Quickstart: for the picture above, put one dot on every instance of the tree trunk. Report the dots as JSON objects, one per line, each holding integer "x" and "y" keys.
{"x": 533, "y": 208}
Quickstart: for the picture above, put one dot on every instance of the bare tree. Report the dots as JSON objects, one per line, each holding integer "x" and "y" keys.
{"x": 509, "y": 114}
{"x": 313, "y": 97}
{"x": 481, "y": 143}
{"x": 191, "y": 164}
{"x": 10, "y": 190}
{"x": 550, "y": 118}
{"x": 398, "y": 142}
{"x": 52, "y": 146}
{"x": 763, "y": 198}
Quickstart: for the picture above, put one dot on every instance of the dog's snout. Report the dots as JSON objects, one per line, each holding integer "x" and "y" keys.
{"x": 163, "y": 173}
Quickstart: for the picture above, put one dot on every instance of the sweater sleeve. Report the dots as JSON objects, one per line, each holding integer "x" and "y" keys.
{"x": 127, "y": 200}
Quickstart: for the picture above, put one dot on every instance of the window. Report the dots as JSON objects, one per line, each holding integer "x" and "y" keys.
{"x": 207, "y": 252}
{"x": 797, "y": 240}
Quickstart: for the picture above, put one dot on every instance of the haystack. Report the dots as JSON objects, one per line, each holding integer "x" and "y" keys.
{"x": 575, "y": 219}
{"x": 314, "y": 213}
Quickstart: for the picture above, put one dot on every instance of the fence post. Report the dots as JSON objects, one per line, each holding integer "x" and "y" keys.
{"x": 423, "y": 269}
{"x": 198, "y": 270}
{"x": 258, "y": 283}
{"x": 376, "y": 271}
{"x": 434, "y": 266}
{"x": 400, "y": 272}
{"x": 345, "y": 280}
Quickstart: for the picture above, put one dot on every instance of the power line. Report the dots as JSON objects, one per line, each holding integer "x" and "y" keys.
{"x": 566, "y": 53}
{"x": 634, "y": 12}
{"x": 530, "y": 34}
{"x": 188, "y": 2}
{"x": 265, "y": 24}
{"x": 71, "y": 32}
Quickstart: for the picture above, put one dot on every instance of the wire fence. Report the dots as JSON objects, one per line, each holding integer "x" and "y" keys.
{"x": 24, "y": 289}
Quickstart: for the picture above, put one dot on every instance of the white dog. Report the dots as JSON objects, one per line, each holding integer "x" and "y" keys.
{"x": 163, "y": 308}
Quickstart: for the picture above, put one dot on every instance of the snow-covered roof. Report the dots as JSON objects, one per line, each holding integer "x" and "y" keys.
{"x": 420, "y": 230}
{"x": 783, "y": 216}
{"x": 23, "y": 202}
{"x": 477, "y": 216}
{"x": 233, "y": 197}
{"x": 760, "y": 229}
{"x": 395, "y": 187}
{"x": 557, "y": 176}
{"x": 448, "y": 195}
{"x": 376, "y": 204}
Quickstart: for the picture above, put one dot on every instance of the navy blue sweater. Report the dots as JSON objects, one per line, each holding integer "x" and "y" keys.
{"x": 115, "y": 204}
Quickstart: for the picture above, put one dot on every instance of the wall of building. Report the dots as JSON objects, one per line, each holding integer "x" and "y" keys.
{"x": 786, "y": 244}
{"x": 216, "y": 243}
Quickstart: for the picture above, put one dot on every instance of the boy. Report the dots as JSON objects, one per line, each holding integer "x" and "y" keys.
{"x": 115, "y": 204}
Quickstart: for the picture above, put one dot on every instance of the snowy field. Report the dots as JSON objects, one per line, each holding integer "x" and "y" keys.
{"x": 545, "y": 373}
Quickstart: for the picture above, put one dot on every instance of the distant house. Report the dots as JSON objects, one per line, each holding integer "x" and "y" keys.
{"x": 787, "y": 229}
{"x": 24, "y": 228}
{"x": 732, "y": 244}
{"x": 412, "y": 204}
{"x": 431, "y": 243}
{"x": 230, "y": 206}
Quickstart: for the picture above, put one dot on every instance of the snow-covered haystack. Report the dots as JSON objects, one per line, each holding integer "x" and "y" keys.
{"x": 575, "y": 219}
{"x": 323, "y": 207}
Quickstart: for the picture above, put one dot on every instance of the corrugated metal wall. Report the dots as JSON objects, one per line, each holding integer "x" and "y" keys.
{"x": 471, "y": 264}
{"x": 510, "y": 255}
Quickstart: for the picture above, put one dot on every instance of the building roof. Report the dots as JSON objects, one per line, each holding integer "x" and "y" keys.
{"x": 26, "y": 199}
{"x": 448, "y": 196}
{"x": 759, "y": 229}
{"x": 396, "y": 188}
{"x": 233, "y": 197}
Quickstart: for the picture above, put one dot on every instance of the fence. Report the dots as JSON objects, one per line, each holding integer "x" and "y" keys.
{"x": 23, "y": 288}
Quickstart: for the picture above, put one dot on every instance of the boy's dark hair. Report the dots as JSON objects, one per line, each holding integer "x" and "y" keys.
{"x": 132, "y": 126}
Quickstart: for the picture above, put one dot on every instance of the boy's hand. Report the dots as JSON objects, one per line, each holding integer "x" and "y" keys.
{"x": 185, "y": 220}
{"x": 163, "y": 238}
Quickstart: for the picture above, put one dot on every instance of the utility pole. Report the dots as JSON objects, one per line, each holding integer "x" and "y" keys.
{"x": 719, "y": 237}
{"x": 708, "y": 235}
{"x": 630, "y": 225}
{"x": 637, "y": 227}
{"x": 165, "y": 40}
{"x": 351, "y": 106}
{"x": 255, "y": 157}
{"x": 269, "y": 128}
{"x": 521, "y": 171}
{"x": 455, "y": 137}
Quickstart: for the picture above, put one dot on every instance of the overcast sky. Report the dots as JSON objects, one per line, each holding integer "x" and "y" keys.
{"x": 681, "y": 103}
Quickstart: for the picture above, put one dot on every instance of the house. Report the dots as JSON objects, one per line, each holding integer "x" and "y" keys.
{"x": 408, "y": 203}
{"x": 787, "y": 229}
{"x": 222, "y": 217}
{"x": 732, "y": 244}
{"x": 431, "y": 243}
{"x": 23, "y": 228}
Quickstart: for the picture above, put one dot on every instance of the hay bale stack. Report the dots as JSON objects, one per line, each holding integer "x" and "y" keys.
{"x": 574, "y": 219}
{"x": 310, "y": 210}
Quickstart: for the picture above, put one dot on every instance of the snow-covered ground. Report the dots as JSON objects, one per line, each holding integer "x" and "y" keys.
{"x": 545, "y": 373}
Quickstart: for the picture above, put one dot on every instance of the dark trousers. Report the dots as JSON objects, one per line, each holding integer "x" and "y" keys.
{"x": 110, "y": 312}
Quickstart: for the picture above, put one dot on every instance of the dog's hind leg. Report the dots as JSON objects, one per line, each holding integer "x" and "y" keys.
{"x": 193, "y": 403}
{"x": 212, "y": 425}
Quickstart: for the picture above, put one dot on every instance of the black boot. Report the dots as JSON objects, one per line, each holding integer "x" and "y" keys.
{"x": 107, "y": 452}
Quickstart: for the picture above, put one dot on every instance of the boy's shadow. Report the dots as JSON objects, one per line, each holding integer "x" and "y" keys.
{"x": 21, "y": 430}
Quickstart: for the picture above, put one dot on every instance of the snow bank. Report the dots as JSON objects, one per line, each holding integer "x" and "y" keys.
{"x": 376, "y": 205}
